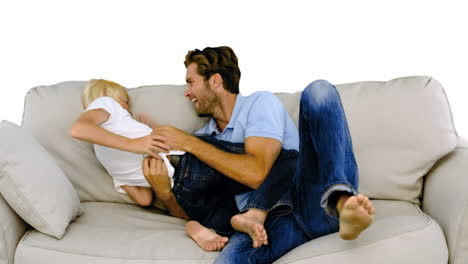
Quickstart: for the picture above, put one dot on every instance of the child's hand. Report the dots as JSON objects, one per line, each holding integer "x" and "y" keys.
{"x": 155, "y": 172}
{"x": 151, "y": 145}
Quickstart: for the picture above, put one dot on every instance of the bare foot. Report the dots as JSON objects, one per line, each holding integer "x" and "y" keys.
{"x": 206, "y": 238}
{"x": 251, "y": 223}
{"x": 356, "y": 214}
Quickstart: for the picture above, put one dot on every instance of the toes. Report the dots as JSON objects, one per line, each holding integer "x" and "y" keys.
{"x": 369, "y": 207}
{"x": 365, "y": 202}
{"x": 260, "y": 229}
{"x": 365, "y": 199}
{"x": 362, "y": 199}
{"x": 359, "y": 197}
{"x": 254, "y": 245}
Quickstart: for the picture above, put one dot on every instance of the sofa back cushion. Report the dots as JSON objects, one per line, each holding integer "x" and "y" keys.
{"x": 399, "y": 128}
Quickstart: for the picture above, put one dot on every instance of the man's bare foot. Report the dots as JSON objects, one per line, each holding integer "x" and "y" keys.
{"x": 206, "y": 238}
{"x": 251, "y": 223}
{"x": 356, "y": 214}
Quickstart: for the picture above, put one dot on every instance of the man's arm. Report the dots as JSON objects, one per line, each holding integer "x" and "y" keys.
{"x": 156, "y": 173}
{"x": 249, "y": 169}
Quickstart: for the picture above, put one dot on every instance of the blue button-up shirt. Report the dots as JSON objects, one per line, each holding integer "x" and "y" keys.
{"x": 260, "y": 115}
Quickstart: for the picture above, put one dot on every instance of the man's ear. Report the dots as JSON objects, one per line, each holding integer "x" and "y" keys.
{"x": 216, "y": 81}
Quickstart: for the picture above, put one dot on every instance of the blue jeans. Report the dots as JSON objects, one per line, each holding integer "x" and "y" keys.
{"x": 207, "y": 196}
{"x": 326, "y": 162}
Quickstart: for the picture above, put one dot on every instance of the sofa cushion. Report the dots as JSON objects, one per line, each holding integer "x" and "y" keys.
{"x": 399, "y": 129}
{"x": 33, "y": 185}
{"x": 119, "y": 233}
{"x": 401, "y": 233}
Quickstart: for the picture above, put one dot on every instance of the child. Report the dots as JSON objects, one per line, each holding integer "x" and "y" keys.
{"x": 106, "y": 104}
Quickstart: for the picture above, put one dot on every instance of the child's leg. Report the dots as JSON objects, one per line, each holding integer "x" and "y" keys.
{"x": 142, "y": 196}
{"x": 206, "y": 238}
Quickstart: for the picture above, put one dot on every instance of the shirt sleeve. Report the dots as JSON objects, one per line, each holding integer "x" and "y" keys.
{"x": 109, "y": 105}
{"x": 266, "y": 117}
{"x": 104, "y": 102}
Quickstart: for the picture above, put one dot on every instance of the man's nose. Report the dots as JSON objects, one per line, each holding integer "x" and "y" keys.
{"x": 187, "y": 92}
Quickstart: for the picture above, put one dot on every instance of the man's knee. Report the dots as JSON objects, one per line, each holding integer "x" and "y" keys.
{"x": 319, "y": 93}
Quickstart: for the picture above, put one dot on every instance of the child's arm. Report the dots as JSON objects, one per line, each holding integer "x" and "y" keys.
{"x": 155, "y": 172}
{"x": 87, "y": 127}
{"x": 143, "y": 196}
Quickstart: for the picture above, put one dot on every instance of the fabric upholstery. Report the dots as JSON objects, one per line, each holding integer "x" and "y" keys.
{"x": 33, "y": 185}
{"x": 12, "y": 228}
{"x": 399, "y": 129}
{"x": 142, "y": 237}
{"x": 446, "y": 200}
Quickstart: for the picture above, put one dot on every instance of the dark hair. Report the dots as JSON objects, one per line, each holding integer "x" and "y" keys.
{"x": 220, "y": 60}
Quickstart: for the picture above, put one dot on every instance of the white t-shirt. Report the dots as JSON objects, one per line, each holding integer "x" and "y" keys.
{"x": 124, "y": 167}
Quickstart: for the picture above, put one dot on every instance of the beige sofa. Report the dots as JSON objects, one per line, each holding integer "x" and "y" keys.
{"x": 411, "y": 163}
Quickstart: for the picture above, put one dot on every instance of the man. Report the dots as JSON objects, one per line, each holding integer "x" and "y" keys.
{"x": 324, "y": 186}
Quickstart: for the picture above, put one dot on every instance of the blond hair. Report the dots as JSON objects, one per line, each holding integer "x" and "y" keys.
{"x": 99, "y": 87}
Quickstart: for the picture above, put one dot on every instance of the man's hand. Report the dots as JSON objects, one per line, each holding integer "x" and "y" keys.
{"x": 176, "y": 138}
{"x": 155, "y": 172}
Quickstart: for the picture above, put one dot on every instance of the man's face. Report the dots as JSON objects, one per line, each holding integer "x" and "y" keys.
{"x": 199, "y": 92}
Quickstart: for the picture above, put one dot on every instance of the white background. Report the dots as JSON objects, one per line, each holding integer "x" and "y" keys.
{"x": 281, "y": 45}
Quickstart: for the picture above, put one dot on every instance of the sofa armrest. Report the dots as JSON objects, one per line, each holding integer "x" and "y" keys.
{"x": 12, "y": 229}
{"x": 446, "y": 200}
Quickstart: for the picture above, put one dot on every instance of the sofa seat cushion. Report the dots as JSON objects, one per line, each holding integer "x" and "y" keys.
{"x": 122, "y": 233}
{"x": 401, "y": 233}
{"x": 110, "y": 231}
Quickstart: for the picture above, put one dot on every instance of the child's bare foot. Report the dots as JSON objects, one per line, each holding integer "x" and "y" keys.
{"x": 206, "y": 238}
{"x": 356, "y": 214}
{"x": 251, "y": 223}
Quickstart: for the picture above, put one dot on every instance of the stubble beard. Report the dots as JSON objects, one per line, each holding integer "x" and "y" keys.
{"x": 210, "y": 100}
